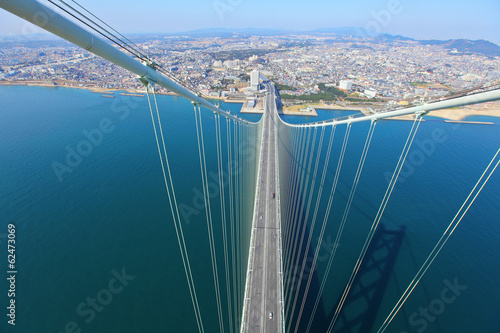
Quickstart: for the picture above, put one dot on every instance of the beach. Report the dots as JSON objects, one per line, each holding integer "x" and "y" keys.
{"x": 491, "y": 109}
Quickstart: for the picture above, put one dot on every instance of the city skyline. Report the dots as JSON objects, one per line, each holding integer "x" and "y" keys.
{"x": 422, "y": 20}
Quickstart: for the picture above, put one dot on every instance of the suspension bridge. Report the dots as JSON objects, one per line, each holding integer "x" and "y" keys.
{"x": 275, "y": 211}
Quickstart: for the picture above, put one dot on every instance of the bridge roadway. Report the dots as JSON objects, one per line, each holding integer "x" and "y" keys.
{"x": 263, "y": 302}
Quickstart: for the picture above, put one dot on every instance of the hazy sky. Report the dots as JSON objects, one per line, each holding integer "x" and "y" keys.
{"x": 439, "y": 19}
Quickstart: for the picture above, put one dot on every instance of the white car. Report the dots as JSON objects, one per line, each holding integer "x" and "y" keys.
{"x": 270, "y": 315}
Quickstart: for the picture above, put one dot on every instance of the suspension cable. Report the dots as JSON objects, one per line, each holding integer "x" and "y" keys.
{"x": 305, "y": 191}
{"x": 122, "y": 38}
{"x": 293, "y": 178}
{"x": 296, "y": 189}
{"x": 315, "y": 214}
{"x": 290, "y": 183}
{"x": 237, "y": 212}
{"x": 295, "y": 246}
{"x": 240, "y": 202}
{"x": 302, "y": 136}
{"x": 175, "y": 214}
{"x": 490, "y": 169}
{"x": 231, "y": 217}
{"x": 308, "y": 242}
{"x": 295, "y": 207}
{"x": 347, "y": 208}
{"x": 208, "y": 211}
{"x": 96, "y": 27}
{"x": 323, "y": 227}
{"x": 223, "y": 217}
{"x": 378, "y": 217}
{"x": 302, "y": 193}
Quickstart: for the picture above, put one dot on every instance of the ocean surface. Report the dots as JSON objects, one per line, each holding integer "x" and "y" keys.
{"x": 99, "y": 226}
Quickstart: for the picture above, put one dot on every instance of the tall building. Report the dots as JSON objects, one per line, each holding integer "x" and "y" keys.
{"x": 345, "y": 84}
{"x": 254, "y": 80}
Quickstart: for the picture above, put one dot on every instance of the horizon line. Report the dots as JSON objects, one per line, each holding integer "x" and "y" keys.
{"x": 368, "y": 33}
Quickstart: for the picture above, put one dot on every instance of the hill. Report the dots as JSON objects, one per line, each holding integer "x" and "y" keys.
{"x": 483, "y": 47}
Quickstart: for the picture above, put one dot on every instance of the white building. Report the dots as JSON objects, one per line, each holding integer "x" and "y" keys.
{"x": 370, "y": 93}
{"x": 345, "y": 84}
{"x": 254, "y": 80}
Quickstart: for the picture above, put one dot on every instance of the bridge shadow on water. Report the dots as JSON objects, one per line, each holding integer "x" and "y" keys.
{"x": 363, "y": 301}
{"x": 294, "y": 278}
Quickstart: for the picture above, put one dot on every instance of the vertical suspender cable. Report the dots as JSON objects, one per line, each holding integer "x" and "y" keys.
{"x": 208, "y": 211}
{"x": 385, "y": 200}
{"x": 349, "y": 204}
{"x": 298, "y": 204}
{"x": 293, "y": 203}
{"x": 490, "y": 169}
{"x": 295, "y": 141}
{"x": 175, "y": 214}
{"x": 223, "y": 219}
{"x": 323, "y": 227}
{"x": 295, "y": 254}
{"x": 290, "y": 204}
{"x": 237, "y": 213}
{"x": 231, "y": 217}
{"x": 306, "y": 215}
{"x": 243, "y": 260}
{"x": 315, "y": 214}
{"x": 293, "y": 182}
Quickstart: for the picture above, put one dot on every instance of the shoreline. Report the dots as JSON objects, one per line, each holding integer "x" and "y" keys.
{"x": 298, "y": 110}
{"x": 63, "y": 84}
{"x": 490, "y": 109}
{"x": 454, "y": 115}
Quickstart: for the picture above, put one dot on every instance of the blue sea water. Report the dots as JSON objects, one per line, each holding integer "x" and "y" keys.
{"x": 443, "y": 166}
{"x": 107, "y": 215}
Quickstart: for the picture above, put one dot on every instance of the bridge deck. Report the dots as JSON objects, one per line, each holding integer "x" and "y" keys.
{"x": 263, "y": 311}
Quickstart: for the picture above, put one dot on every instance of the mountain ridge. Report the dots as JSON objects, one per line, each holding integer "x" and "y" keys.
{"x": 459, "y": 46}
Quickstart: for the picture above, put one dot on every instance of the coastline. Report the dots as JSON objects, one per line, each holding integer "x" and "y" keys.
{"x": 64, "y": 84}
{"x": 455, "y": 115}
{"x": 490, "y": 109}
{"x": 463, "y": 112}
{"x": 299, "y": 110}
